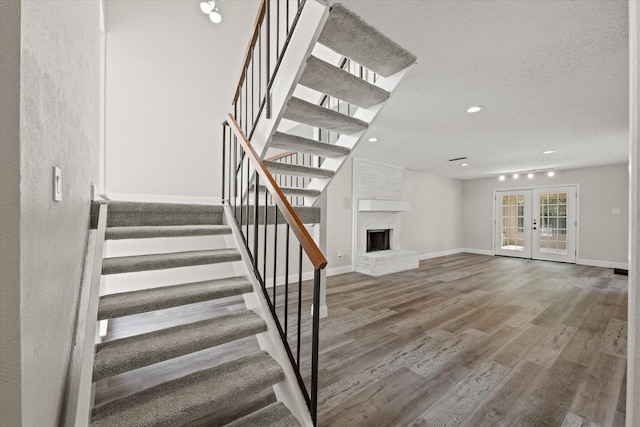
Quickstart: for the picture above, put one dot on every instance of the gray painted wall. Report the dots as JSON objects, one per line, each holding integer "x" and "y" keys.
{"x": 434, "y": 224}
{"x": 603, "y": 235}
{"x": 10, "y": 372}
{"x": 339, "y": 218}
{"x": 171, "y": 75}
{"x": 58, "y": 127}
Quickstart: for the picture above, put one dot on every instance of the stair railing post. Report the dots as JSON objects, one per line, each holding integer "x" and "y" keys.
{"x": 224, "y": 145}
{"x": 314, "y": 346}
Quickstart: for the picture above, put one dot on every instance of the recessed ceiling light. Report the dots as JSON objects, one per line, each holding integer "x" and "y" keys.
{"x": 373, "y": 139}
{"x": 464, "y": 164}
{"x": 551, "y": 173}
{"x": 475, "y": 109}
{"x": 502, "y": 177}
{"x": 516, "y": 176}
{"x": 530, "y": 175}
{"x": 548, "y": 152}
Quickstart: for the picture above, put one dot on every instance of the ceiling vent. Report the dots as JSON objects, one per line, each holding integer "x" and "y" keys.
{"x": 459, "y": 158}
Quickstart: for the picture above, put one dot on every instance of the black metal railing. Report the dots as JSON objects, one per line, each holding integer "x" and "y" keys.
{"x": 290, "y": 181}
{"x": 281, "y": 252}
{"x": 276, "y": 21}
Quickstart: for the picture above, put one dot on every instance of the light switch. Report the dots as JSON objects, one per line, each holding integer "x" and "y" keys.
{"x": 615, "y": 211}
{"x": 57, "y": 184}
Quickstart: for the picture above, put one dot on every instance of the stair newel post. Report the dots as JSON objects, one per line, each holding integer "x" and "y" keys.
{"x": 314, "y": 345}
{"x": 224, "y": 145}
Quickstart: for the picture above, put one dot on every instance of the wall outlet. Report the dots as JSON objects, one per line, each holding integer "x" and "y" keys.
{"x": 57, "y": 184}
{"x": 339, "y": 256}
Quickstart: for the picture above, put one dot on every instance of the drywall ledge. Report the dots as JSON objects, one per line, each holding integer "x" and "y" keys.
{"x": 384, "y": 206}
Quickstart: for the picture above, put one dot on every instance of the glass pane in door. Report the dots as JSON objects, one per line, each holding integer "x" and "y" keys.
{"x": 512, "y": 222}
{"x": 553, "y": 223}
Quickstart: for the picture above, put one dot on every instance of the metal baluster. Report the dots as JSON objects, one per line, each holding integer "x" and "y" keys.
{"x": 286, "y": 283}
{"x": 299, "y": 306}
{"x": 224, "y": 145}
{"x": 256, "y": 200}
{"x": 314, "y": 345}
{"x": 264, "y": 264}
{"x": 267, "y": 96}
{"x": 275, "y": 251}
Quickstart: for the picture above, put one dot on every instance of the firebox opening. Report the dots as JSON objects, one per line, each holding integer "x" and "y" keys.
{"x": 378, "y": 240}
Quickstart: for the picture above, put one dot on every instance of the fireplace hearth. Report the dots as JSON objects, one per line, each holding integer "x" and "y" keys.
{"x": 378, "y": 240}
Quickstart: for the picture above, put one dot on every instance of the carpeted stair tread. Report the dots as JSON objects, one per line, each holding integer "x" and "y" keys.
{"x": 277, "y": 168}
{"x": 305, "y": 112}
{"x": 192, "y": 397}
{"x": 350, "y": 36}
{"x": 331, "y": 80}
{"x": 274, "y": 415}
{"x": 148, "y": 232}
{"x": 299, "y": 144}
{"x": 140, "y": 214}
{"x": 128, "y": 264}
{"x": 126, "y": 354}
{"x": 128, "y": 303}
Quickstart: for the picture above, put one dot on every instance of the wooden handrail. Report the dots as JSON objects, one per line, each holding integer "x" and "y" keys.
{"x": 313, "y": 252}
{"x": 252, "y": 43}
{"x": 281, "y": 156}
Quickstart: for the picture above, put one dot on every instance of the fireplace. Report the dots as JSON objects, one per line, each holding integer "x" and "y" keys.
{"x": 378, "y": 240}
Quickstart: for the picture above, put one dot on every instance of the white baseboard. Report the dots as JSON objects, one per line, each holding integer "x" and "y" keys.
{"x": 439, "y": 254}
{"x": 339, "y": 270}
{"x": 163, "y": 198}
{"x": 478, "y": 251}
{"x": 604, "y": 264}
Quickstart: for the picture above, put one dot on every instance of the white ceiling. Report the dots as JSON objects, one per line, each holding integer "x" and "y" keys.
{"x": 552, "y": 75}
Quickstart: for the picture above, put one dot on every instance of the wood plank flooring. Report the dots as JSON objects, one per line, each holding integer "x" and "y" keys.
{"x": 464, "y": 340}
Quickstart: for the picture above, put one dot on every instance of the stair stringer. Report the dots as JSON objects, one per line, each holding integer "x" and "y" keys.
{"x": 288, "y": 391}
{"x": 351, "y": 141}
{"x": 307, "y": 31}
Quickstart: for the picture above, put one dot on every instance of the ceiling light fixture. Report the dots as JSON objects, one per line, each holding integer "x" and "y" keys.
{"x": 475, "y": 109}
{"x": 548, "y": 152}
{"x": 551, "y": 173}
{"x": 516, "y": 176}
{"x": 464, "y": 164}
{"x": 373, "y": 139}
{"x": 502, "y": 177}
{"x": 530, "y": 175}
{"x": 209, "y": 7}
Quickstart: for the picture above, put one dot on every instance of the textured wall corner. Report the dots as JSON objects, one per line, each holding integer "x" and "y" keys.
{"x": 10, "y": 373}
{"x": 59, "y": 125}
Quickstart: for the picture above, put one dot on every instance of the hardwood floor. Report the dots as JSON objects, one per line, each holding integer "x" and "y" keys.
{"x": 466, "y": 340}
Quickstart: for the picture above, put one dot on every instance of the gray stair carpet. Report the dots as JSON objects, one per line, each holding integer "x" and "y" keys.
{"x": 305, "y": 112}
{"x": 192, "y": 397}
{"x": 148, "y": 232}
{"x": 126, "y": 354}
{"x": 128, "y": 303}
{"x": 350, "y": 36}
{"x": 274, "y": 415}
{"x": 292, "y": 191}
{"x": 128, "y": 264}
{"x": 278, "y": 168}
{"x": 333, "y": 81}
{"x": 299, "y": 144}
{"x": 141, "y": 214}
{"x": 307, "y": 214}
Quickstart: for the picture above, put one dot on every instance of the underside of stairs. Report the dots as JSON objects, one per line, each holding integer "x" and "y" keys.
{"x": 205, "y": 395}
{"x": 346, "y": 95}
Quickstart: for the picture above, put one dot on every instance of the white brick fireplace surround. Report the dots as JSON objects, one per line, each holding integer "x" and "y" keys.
{"x": 377, "y": 191}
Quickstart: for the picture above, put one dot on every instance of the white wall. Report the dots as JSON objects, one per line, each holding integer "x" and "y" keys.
{"x": 170, "y": 77}
{"x": 603, "y": 236}
{"x": 633, "y": 355}
{"x": 434, "y": 225}
{"x": 59, "y": 124}
{"x": 339, "y": 220}
{"x": 10, "y": 378}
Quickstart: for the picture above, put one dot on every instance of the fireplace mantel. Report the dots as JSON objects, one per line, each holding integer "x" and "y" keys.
{"x": 384, "y": 206}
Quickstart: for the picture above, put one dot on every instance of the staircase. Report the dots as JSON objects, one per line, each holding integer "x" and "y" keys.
{"x": 315, "y": 107}
{"x": 200, "y": 394}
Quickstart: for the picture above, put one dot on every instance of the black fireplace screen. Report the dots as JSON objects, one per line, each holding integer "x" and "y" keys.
{"x": 378, "y": 240}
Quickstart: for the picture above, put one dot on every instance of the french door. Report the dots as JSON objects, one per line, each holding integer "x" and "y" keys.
{"x": 537, "y": 223}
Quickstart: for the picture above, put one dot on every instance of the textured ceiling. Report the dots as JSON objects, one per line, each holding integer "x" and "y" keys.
{"x": 552, "y": 75}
